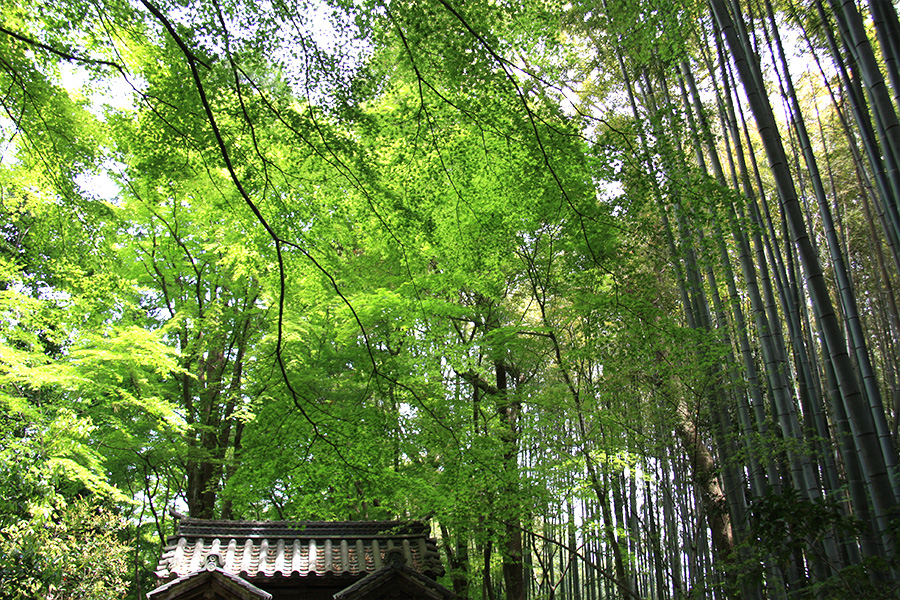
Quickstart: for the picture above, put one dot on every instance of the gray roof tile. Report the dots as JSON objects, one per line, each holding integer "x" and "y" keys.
{"x": 266, "y": 549}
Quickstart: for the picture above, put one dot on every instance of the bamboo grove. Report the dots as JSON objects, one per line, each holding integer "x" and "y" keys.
{"x": 606, "y": 291}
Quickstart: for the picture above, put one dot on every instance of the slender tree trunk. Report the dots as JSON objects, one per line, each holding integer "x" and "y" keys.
{"x": 509, "y": 409}
{"x": 887, "y": 27}
{"x": 858, "y": 411}
{"x": 847, "y": 294}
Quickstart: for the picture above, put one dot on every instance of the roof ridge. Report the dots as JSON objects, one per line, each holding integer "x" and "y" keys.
{"x": 198, "y": 527}
{"x": 292, "y": 522}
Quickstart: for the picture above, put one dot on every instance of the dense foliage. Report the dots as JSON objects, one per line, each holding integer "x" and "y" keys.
{"x": 605, "y": 290}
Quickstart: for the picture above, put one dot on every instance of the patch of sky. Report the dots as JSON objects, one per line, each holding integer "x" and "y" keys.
{"x": 103, "y": 184}
{"x": 8, "y": 133}
{"x": 322, "y": 52}
{"x": 317, "y": 47}
{"x": 98, "y": 95}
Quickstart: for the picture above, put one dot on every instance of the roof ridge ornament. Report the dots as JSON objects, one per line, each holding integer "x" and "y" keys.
{"x": 214, "y": 561}
{"x": 394, "y": 557}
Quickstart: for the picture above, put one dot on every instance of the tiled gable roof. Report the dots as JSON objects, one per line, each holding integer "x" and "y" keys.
{"x": 260, "y": 550}
{"x": 196, "y": 584}
{"x": 395, "y": 580}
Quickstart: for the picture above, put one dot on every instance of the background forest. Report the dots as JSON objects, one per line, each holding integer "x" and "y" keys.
{"x": 605, "y": 290}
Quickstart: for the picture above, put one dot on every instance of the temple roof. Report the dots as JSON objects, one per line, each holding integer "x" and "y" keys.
{"x": 395, "y": 581}
{"x": 260, "y": 550}
{"x": 199, "y": 584}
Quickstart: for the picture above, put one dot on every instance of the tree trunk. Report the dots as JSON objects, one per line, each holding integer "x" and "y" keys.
{"x": 858, "y": 411}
